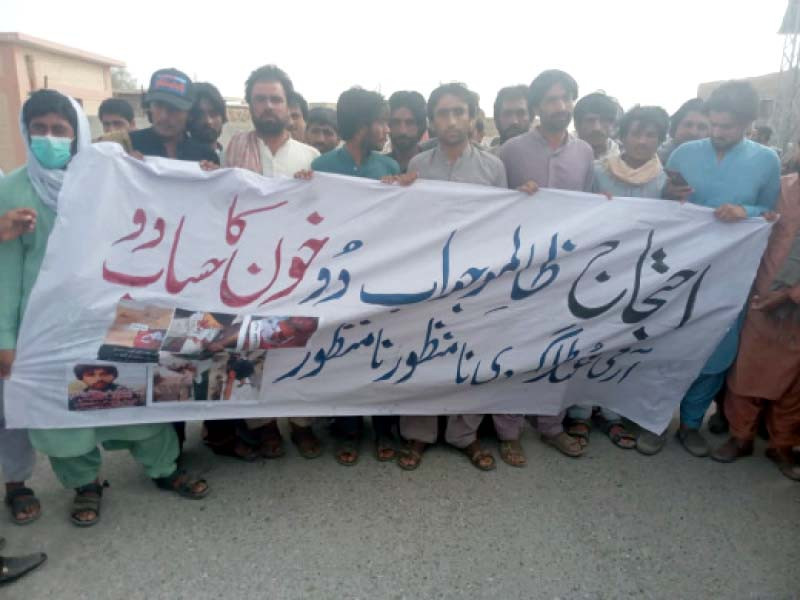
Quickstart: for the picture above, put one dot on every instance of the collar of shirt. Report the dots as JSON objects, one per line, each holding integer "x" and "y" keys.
{"x": 350, "y": 162}
{"x": 439, "y": 155}
{"x": 733, "y": 150}
{"x": 265, "y": 148}
{"x": 537, "y": 136}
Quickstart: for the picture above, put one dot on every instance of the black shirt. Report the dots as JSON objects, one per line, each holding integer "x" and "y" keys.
{"x": 148, "y": 143}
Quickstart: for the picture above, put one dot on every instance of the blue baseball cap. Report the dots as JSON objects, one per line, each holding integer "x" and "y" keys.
{"x": 172, "y": 87}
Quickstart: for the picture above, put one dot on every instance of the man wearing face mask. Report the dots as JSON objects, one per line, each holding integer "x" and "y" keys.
{"x": 207, "y": 117}
{"x": 54, "y": 128}
{"x": 168, "y": 101}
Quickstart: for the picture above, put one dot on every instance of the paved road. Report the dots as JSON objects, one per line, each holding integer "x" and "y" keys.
{"x": 613, "y": 524}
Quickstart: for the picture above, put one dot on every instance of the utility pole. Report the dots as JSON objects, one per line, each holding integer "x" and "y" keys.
{"x": 785, "y": 117}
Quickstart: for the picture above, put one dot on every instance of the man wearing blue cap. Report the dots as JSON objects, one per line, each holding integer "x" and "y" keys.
{"x": 167, "y": 102}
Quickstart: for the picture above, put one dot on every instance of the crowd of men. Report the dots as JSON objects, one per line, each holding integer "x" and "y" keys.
{"x": 701, "y": 154}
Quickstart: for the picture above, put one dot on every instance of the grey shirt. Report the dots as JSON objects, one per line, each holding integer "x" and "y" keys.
{"x": 473, "y": 166}
{"x": 528, "y": 157}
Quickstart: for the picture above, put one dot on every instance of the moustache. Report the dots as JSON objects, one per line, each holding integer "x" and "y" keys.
{"x": 403, "y": 140}
{"x": 514, "y": 130}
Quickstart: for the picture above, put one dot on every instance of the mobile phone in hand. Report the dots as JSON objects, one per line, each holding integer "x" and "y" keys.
{"x": 676, "y": 178}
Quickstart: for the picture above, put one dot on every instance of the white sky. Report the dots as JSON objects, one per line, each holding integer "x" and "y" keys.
{"x": 641, "y": 51}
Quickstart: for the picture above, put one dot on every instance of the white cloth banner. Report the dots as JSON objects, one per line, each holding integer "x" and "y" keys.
{"x": 437, "y": 298}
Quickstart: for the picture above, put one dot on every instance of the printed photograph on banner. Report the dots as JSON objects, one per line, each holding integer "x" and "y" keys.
{"x": 137, "y": 332}
{"x": 191, "y": 332}
{"x": 268, "y": 333}
{"x": 101, "y": 386}
{"x": 201, "y": 334}
{"x": 227, "y": 376}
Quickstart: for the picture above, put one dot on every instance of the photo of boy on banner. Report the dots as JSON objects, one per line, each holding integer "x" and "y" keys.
{"x": 96, "y": 386}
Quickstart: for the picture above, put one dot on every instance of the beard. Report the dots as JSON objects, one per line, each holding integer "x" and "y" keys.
{"x": 268, "y": 125}
{"x": 205, "y": 135}
{"x": 403, "y": 143}
{"x": 556, "y": 122}
{"x": 512, "y": 131}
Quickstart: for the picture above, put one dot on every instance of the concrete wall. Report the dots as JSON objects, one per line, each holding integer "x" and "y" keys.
{"x": 24, "y": 69}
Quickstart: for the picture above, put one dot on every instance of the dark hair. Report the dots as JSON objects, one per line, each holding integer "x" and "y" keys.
{"x": 116, "y": 106}
{"x": 208, "y": 91}
{"x": 323, "y": 116}
{"x": 44, "y": 102}
{"x": 296, "y": 99}
{"x": 645, "y": 115}
{"x": 736, "y": 97}
{"x": 79, "y": 370}
{"x": 415, "y": 103}
{"x": 357, "y": 108}
{"x": 764, "y": 131}
{"x": 692, "y": 105}
{"x": 512, "y": 92}
{"x": 598, "y": 103}
{"x": 547, "y": 79}
{"x": 459, "y": 90}
{"x": 241, "y": 367}
{"x": 268, "y": 73}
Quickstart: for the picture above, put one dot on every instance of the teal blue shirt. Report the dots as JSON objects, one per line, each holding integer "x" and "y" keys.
{"x": 340, "y": 161}
{"x": 749, "y": 175}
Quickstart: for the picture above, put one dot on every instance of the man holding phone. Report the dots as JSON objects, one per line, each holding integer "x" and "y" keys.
{"x": 738, "y": 178}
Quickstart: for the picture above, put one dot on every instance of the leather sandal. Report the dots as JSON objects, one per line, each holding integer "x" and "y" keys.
{"x": 308, "y": 444}
{"x": 511, "y": 449}
{"x": 412, "y": 452}
{"x": 476, "y": 455}
{"x": 564, "y": 443}
{"x": 182, "y": 484}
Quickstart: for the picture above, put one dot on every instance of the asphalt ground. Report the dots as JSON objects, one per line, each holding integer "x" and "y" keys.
{"x": 613, "y": 524}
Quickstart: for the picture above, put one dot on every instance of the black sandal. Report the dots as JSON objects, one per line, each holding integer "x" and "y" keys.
{"x": 182, "y": 484}
{"x": 87, "y": 498}
{"x": 14, "y": 567}
{"x": 20, "y": 500}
